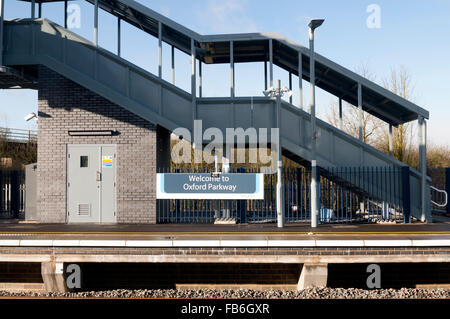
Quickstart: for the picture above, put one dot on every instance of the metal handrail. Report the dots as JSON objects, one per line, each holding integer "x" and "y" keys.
{"x": 18, "y": 135}
{"x": 440, "y": 191}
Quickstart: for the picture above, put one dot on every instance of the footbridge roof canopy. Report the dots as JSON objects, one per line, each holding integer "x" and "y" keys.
{"x": 254, "y": 47}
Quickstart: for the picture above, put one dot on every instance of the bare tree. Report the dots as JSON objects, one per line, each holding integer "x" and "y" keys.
{"x": 400, "y": 83}
{"x": 376, "y": 131}
{"x": 371, "y": 125}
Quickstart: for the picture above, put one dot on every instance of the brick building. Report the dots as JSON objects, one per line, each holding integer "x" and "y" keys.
{"x": 69, "y": 115}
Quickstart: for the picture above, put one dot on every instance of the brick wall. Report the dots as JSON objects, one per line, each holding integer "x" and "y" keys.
{"x": 100, "y": 276}
{"x": 20, "y": 272}
{"x": 64, "y": 105}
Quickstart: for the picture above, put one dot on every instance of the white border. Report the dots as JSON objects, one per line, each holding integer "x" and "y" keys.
{"x": 224, "y": 243}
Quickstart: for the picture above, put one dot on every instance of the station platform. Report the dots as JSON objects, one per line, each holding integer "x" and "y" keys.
{"x": 171, "y": 250}
{"x": 207, "y": 232}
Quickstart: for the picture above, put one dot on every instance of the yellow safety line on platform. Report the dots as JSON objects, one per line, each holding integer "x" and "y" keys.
{"x": 230, "y": 232}
{"x": 236, "y": 234}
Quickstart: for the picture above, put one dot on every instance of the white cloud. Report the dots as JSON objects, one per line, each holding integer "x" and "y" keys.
{"x": 226, "y": 16}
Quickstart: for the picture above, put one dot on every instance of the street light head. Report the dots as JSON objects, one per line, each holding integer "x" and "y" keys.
{"x": 30, "y": 116}
{"x": 315, "y": 23}
{"x": 268, "y": 92}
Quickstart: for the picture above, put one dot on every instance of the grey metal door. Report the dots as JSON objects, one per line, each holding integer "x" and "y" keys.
{"x": 91, "y": 183}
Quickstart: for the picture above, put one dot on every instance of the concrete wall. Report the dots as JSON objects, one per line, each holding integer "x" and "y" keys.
{"x": 98, "y": 276}
{"x": 64, "y": 105}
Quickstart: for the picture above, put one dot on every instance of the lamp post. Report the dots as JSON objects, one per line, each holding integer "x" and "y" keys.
{"x": 277, "y": 93}
{"x": 313, "y": 24}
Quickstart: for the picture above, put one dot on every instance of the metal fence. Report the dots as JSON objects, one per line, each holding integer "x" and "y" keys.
{"x": 362, "y": 194}
{"x": 12, "y": 194}
{"x": 18, "y": 135}
{"x": 439, "y": 198}
{"x": 346, "y": 195}
{"x": 439, "y": 189}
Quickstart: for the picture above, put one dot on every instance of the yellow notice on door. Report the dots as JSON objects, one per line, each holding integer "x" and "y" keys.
{"x": 107, "y": 161}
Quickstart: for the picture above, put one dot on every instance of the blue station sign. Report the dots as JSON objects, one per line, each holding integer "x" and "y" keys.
{"x": 207, "y": 186}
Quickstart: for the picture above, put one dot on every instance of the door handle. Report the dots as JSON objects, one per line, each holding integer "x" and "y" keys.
{"x": 98, "y": 176}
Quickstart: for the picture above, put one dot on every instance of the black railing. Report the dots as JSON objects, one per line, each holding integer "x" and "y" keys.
{"x": 18, "y": 135}
{"x": 368, "y": 194}
{"x": 12, "y": 194}
{"x": 440, "y": 189}
{"x": 353, "y": 194}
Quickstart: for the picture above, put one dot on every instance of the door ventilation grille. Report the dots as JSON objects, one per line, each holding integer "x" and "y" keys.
{"x": 84, "y": 210}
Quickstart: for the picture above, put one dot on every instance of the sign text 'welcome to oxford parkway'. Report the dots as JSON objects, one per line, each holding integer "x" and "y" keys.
{"x": 207, "y": 186}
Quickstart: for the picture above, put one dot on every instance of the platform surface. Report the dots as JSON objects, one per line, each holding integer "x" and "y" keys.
{"x": 254, "y": 243}
{"x": 415, "y": 231}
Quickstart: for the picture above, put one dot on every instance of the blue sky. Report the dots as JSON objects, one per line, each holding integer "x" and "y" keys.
{"x": 413, "y": 34}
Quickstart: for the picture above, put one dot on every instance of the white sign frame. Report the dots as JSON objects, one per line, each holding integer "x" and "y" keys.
{"x": 258, "y": 195}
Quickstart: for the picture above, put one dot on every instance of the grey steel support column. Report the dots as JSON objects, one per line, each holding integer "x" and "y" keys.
{"x": 406, "y": 194}
{"x": 40, "y": 10}
{"x": 423, "y": 166}
{"x": 314, "y": 192}
{"x": 118, "y": 36}
{"x": 391, "y": 142}
{"x": 290, "y": 86}
{"x": 193, "y": 85}
{"x": 200, "y": 79}
{"x": 160, "y": 50}
{"x": 300, "y": 80}
{"x": 216, "y": 170}
{"x": 226, "y": 170}
{"x": 33, "y": 9}
{"x": 2, "y": 13}
{"x": 341, "y": 122}
{"x": 173, "y": 65}
{"x": 265, "y": 74}
{"x": 226, "y": 160}
{"x": 360, "y": 114}
{"x": 232, "y": 80}
{"x": 96, "y": 23}
{"x": 279, "y": 190}
{"x": 271, "y": 62}
{"x": 65, "y": 14}
{"x": 242, "y": 204}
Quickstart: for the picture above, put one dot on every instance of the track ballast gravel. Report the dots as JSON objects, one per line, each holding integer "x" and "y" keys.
{"x": 313, "y": 293}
